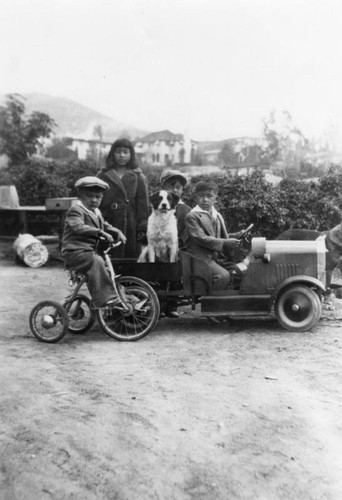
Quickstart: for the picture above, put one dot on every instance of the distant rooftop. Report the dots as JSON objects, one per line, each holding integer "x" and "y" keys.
{"x": 163, "y": 135}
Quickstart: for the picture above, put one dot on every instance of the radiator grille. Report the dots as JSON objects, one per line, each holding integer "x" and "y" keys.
{"x": 284, "y": 271}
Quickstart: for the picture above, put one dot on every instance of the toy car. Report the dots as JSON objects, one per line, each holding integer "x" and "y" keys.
{"x": 287, "y": 277}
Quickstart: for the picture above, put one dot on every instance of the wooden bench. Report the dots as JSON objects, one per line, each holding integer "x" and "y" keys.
{"x": 22, "y": 213}
{"x": 8, "y": 207}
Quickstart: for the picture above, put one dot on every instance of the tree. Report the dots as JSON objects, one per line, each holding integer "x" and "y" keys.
{"x": 98, "y": 132}
{"x": 20, "y": 136}
{"x": 95, "y": 155}
{"x": 286, "y": 146}
{"x": 59, "y": 150}
{"x": 227, "y": 155}
{"x": 181, "y": 156}
{"x": 272, "y": 149}
{"x": 197, "y": 158}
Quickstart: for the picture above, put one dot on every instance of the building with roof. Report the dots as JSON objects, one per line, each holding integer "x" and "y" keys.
{"x": 211, "y": 156}
{"x": 84, "y": 147}
{"x": 165, "y": 148}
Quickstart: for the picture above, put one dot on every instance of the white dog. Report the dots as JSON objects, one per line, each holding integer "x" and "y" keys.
{"x": 162, "y": 234}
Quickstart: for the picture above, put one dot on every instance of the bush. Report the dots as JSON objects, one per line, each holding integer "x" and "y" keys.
{"x": 299, "y": 198}
{"x": 41, "y": 178}
{"x": 245, "y": 200}
{"x": 153, "y": 175}
{"x": 315, "y": 205}
{"x": 242, "y": 199}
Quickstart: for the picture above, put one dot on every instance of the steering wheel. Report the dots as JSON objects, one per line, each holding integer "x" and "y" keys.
{"x": 246, "y": 234}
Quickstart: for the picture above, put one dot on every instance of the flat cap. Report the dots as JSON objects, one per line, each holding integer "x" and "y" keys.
{"x": 91, "y": 182}
{"x": 169, "y": 174}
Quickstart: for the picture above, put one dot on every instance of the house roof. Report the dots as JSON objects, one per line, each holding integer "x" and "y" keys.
{"x": 88, "y": 141}
{"x": 212, "y": 152}
{"x": 163, "y": 135}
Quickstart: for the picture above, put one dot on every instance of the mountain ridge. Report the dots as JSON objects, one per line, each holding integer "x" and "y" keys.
{"x": 77, "y": 120}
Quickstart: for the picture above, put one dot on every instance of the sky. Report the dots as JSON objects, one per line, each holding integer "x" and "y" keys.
{"x": 215, "y": 68}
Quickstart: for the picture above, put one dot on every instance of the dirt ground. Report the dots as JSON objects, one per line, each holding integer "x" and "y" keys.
{"x": 243, "y": 410}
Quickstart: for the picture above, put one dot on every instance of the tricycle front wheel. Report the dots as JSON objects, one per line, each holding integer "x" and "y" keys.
{"x": 298, "y": 308}
{"x": 141, "y": 316}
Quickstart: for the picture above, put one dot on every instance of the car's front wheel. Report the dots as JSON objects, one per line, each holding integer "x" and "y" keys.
{"x": 298, "y": 308}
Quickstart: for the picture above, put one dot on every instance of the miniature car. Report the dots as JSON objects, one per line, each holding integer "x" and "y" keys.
{"x": 284, "y": 277}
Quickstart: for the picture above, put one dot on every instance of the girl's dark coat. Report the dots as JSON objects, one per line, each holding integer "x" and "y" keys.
{"x": 125, "y": 205}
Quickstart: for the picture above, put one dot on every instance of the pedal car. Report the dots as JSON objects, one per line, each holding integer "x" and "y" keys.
{"x": 284, "y": 277}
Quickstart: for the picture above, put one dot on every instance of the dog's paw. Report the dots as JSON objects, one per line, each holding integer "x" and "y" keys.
{"x": 143, "y": 255}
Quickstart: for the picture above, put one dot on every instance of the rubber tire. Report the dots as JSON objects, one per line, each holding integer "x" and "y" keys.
{"x": 35, "y": 326}
{"x": 86, "y": 302}
{"x": 123, "y": 324}
{"x": 308, "y": 314}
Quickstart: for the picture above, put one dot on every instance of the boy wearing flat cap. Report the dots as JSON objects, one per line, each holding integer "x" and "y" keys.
{"x": 208, "y": 235}
{"x": 174, "y": 181}
{"x": 84, "y": 224}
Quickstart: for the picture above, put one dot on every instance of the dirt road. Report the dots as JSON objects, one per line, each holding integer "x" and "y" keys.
{"x": 243, "y": 410}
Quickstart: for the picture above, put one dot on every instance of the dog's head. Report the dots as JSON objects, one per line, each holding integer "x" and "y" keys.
{"x": 163, "y": 200}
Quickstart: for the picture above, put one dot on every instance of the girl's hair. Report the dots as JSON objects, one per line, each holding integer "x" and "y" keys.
{"x": 121, "y": 143}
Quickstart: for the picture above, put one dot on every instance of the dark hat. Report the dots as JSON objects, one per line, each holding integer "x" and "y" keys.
{"x": 91, "y": 182}
{"x": 169, "y": 174}
{"x": 202, "y": 186}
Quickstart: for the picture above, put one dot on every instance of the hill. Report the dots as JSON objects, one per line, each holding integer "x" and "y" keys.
{"x": 78, "y": 121}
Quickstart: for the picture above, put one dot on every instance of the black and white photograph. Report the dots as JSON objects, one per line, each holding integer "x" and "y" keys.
{"x": 170, "y": 250}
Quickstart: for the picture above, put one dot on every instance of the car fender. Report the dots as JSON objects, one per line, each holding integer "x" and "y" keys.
{"x": 298, "y": 280}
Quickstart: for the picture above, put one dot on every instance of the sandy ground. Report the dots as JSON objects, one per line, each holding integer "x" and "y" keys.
{"x": 243, "y": 410}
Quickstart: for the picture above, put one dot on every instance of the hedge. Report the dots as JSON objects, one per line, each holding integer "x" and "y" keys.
{"x": 242, "y": 199}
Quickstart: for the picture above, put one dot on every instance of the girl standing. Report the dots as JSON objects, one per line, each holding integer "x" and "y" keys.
{"x": 125, "y": 204}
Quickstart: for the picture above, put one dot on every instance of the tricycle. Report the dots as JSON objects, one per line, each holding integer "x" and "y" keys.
{"x": 133, "y": 317}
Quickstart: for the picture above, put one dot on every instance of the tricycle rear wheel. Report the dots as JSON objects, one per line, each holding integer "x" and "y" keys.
{"x": 298, "y": 308}
{"x": 80, "y": 313}
{"x": 49, "y": 321}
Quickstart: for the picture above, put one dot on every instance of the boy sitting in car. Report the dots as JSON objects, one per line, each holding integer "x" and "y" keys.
{"x": 208, "y": 237}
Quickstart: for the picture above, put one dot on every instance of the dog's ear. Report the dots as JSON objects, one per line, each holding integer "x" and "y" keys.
{"x": 174, "y": 199}
{"x": 154, "y": 198}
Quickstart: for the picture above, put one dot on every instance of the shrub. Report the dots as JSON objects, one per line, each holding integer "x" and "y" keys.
{"x": 299, "y": 198}
{"x": 242, "y": 199}
{"x": 246, "y": 199}
{"x": 40, "y": 178}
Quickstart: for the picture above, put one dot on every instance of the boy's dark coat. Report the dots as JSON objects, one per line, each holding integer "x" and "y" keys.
{"x": 81, "y": 231}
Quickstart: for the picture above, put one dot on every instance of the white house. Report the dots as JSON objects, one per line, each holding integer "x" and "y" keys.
{"x": 165, "y": 148}
{"x": 84, "y": 147}
{"x": 211, "y": 156}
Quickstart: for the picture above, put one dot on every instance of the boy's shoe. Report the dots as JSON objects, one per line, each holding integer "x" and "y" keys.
{"x": 172, "y": 314}
{"x": 113, "y": 302}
